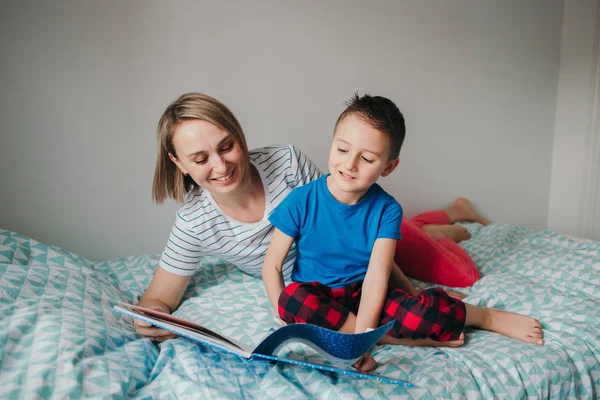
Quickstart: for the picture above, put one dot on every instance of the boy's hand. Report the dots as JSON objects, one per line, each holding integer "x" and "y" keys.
{"x": 278, "y": 319}
{"x": 366, "y": 363}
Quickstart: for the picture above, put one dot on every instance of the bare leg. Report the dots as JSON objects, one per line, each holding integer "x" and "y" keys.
{"x": 455, "y": 232}
{"x": 462, "y": 210}
{"x": 348, "y": 327}
{"x": 516, "y": 326}
{"x": 423, "y": 342}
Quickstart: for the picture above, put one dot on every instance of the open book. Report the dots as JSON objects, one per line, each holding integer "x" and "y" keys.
{"x": 342, "y": 350}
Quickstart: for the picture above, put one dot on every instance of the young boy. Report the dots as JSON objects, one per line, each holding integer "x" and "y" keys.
{"x": 345, "y": 227}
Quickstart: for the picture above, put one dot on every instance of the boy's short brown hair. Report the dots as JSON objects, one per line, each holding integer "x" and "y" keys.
{"x": 382, "y": 114}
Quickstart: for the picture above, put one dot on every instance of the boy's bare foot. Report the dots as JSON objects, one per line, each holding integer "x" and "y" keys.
{"x": 462, "y": 210}
{"x": 455, "y": 232}
{"x": 423, "y": 342}
{"x": 516, "y": 326}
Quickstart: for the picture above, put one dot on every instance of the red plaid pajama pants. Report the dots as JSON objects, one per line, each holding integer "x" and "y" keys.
{"x": 430, "y": 314}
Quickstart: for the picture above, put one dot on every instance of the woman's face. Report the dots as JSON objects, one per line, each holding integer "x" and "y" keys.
{"x": 210, "y": 156}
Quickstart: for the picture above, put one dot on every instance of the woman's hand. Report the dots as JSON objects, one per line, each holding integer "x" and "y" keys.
{"x": 152, "y": 332}
{"x": 163, "y": 294}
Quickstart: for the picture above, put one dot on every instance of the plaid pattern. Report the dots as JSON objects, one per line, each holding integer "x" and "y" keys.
{"x": 432, "y": 313}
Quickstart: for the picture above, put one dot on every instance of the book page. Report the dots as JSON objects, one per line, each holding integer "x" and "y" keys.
{"x": 184, "y": 328}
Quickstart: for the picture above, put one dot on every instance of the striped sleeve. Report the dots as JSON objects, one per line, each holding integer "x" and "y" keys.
{"x": 307, "y": 171}
{"x": 183, "y": 251}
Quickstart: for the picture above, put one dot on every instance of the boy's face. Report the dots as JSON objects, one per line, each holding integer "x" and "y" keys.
{"x": 359, "y": 156}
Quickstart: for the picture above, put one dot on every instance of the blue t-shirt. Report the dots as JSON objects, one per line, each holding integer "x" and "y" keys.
{"x": 334, "y": 240}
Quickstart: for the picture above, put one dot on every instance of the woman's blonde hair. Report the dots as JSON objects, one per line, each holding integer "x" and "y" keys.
{"x": 169, "y": 181}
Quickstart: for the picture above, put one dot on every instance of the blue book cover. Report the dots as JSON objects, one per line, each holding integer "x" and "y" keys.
{"x": 342, "y": 350}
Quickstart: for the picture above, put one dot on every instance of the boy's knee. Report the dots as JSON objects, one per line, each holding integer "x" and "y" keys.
{"x": 291, "y": 301}
{"x": 301, "y": 290}
{"x": 293, "y": 290}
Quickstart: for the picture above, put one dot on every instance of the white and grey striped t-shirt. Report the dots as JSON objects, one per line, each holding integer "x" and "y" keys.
{"x": 201, "y": 228}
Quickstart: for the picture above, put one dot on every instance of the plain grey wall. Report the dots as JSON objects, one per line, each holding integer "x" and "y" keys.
{"x": 83, "y": 84}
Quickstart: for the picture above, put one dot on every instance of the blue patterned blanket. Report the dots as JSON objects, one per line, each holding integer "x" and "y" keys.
{"x": 59, "y": 338}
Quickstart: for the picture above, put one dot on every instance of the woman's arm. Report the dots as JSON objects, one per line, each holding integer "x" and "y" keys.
{"x": 375, "y": 285}
{"x": 165, "y": 290}
{"x": 271, "y": 272}
{"x": 163, "y": 294}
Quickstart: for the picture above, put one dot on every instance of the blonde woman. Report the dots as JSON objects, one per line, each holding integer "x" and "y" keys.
{"x": 227, "y": 193}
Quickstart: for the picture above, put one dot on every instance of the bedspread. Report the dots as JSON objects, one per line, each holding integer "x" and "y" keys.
{"x": 59, "y": 338}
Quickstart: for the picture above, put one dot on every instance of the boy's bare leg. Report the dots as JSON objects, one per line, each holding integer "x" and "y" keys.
{"x": 348, "y": 327}
{"x": 462, "y": 210}
{"x": 516, "y": 326}
{"x": 423, "y": 342}
{"x": 367, "y": 363}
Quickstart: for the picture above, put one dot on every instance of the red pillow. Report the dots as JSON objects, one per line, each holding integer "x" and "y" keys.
{"x": 440, "y": 261}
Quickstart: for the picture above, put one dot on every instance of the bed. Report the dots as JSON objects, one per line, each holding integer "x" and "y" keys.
{"x": 59, "y": 338}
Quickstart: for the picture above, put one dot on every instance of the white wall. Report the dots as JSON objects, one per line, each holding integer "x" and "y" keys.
{"x": 84, "y": 83}
{"x": 574, "y": 196}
